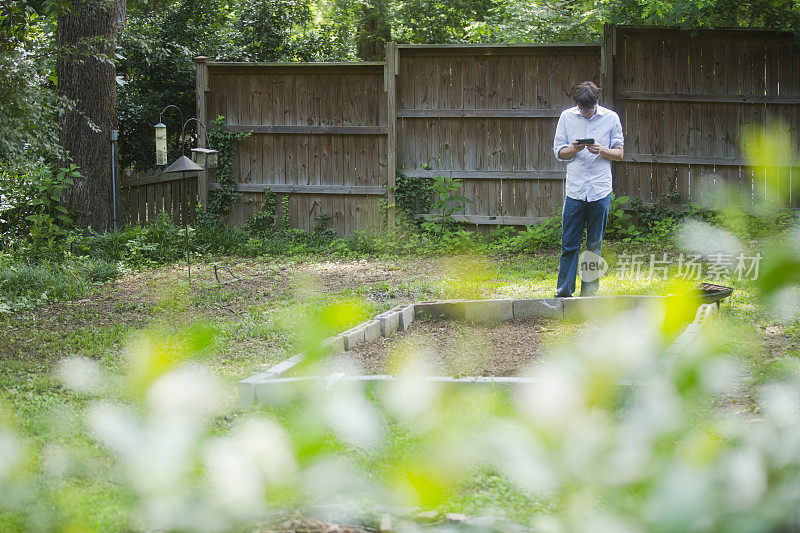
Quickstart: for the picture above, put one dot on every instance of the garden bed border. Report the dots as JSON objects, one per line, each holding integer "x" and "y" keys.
{"x": 259, "y": 387}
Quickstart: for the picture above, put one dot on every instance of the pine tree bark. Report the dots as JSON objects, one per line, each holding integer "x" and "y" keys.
{"x": 87, "y": 77}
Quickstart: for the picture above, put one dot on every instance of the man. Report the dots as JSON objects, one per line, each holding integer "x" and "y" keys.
{"x": 588, "y": 186}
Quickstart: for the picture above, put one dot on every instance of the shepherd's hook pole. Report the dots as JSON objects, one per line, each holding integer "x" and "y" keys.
{"x": 186, "y": 230}
{"x": 114, "y": 136}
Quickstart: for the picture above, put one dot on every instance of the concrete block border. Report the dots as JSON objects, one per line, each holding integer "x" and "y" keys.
{"x": 256, "y": 388}
{"x": 705, "y": 313}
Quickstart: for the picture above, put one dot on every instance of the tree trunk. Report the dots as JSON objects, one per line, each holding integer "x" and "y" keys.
{"x": 87, "y": 77}
{"x": 373, "y": 32}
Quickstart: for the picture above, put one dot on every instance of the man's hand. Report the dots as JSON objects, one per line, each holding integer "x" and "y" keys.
{"x": 612, "y": 154}
{"x": 577, "y": 147}
{"x": 569, "y": 151}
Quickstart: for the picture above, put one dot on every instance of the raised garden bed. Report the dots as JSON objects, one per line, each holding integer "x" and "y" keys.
{"x": 492, "y": 367}
{"x": 458, "y": 349}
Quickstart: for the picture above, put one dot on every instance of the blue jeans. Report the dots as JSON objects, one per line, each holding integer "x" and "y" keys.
{"x": 578, "y": 214}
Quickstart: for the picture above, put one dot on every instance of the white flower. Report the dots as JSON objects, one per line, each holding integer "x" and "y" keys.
{"x": 556, "y": 396}
{"x": 11, "y": 451}
{"x": 707, "y": 240}
{"x": 80, "y": 374}
{"x": 236, "y": 482}
{"x": 744, "y": 478}
{"x": 781, "y": 404}
{"x": 348, "y": 413}
{"x": 187, "y": 392}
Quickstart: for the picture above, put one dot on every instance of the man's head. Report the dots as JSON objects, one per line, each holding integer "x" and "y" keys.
{"x": 586, "y": 95}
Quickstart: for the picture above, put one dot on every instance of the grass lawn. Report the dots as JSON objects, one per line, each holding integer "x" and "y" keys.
{"x": 256, "y": 318}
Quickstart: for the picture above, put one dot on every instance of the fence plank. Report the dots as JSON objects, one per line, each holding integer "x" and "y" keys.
{"x": 127, "y": 202}
{"x": 193, "y": 198}
{"x": 364, "y": 190}
{"x": 142, "y": 216}
{"x": 308, "y": 130}
{"x": 488, "y": 220}
{"x": 169, "y": 201}
{"x": 675, "y": 96}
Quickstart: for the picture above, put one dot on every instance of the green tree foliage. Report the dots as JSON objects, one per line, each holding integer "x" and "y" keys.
{"x": 542, "y": 22}
{"x": 582, "y": 20}
{"x": 268, "y": 31}
{"x": 156, "y": 69}
{"x": 28, "y": 102}
{"x": 696, "y": 14}
{"x": 435, "y": 21}
{"x": 293, "y": 30}
{"x": 32, "y": 217}
{"x": 374, "y": 29}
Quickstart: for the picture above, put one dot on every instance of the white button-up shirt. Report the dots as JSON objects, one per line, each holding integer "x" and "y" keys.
{"x": 588, "y": 174}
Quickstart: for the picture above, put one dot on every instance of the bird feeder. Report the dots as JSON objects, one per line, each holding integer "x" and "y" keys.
{"x": 161, "y": 144}
{"x": 205, "y": 157}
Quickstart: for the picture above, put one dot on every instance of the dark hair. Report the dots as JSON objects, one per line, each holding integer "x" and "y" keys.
{"x": 586, "y": 94}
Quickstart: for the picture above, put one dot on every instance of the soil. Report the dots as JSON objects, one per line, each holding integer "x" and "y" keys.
{"x": 449, "y": 348}
{"x": 778, "y": 342}
{"x": 133, "y": 300}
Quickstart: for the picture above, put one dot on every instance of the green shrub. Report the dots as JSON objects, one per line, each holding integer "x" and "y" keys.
{"x": 413, "y": 195}
{"x": 32, "y": 219}
{"x": 619, "y": 226}
{"x": 543, "y": 236}
{"x": 755, "y": 225}
{"x": 265, "y": 221}
{"x": 161, "y": 242}
{"x": 226, "y": 143}
{"x": 219, "y": 239}
{"x": 654, "y": 222}
{"x": 99, "y": 271}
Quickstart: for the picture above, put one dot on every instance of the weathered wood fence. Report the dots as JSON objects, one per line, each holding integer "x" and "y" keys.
{"x": 318, "y": 135}
{"x": 487, "y": 115}
{"x": 685, "y": 102}
{"x": 332, "y": 136}
{"x": 146, "y": 195}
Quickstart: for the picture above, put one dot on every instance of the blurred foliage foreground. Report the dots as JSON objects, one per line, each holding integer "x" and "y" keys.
{"x": 675, "y": 451}
{"x": 609, "y": 438}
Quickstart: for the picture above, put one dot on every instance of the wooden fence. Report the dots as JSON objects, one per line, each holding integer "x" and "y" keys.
{"x": 331, "y": 137}
{"x": 318, "y": 136}
{"x": 486, "y": 115}
{"x": 145, "y": 195}
{"x": 685, "y": 102}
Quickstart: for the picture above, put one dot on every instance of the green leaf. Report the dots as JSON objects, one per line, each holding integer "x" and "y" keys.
{"x": 460, "y": 199}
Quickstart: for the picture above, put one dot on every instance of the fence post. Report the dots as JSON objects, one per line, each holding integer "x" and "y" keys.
{"x": 607, "y": 64}
{"x": 390, "y": 78}
{"x": 201, "y": 85}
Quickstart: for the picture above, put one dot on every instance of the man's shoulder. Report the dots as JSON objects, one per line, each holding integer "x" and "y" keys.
{"x": 608, "y": 111}
{"x": 569, "y": 110}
